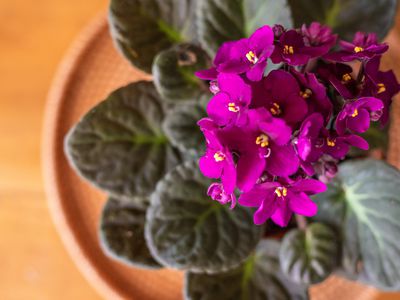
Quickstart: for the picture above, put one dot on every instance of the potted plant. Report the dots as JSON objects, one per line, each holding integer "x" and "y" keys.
{"x": 279, "y": 109}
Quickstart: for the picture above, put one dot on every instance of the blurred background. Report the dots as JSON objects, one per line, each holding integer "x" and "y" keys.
{"x": 34, "y": 35}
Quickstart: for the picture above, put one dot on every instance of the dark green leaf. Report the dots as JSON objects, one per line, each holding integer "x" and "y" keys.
{"x": 259, "y": 278}
{"x": 187, "y": 230}
{"x": 181, "y": 126}
{"x": 225, "y": 20}
{"x": 119, "y": 145}
{"x": 364, "y": 203}
{"x": 142, "y": 28}
{"x": 173, "y": 72}
{"x": 122, "y": 233}
{"x": 347, "y": 17}
{"x": 309, "y": 256}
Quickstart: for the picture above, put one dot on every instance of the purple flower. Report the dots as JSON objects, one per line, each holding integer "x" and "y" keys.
{"x": 356, "y": 116}
{"x": 263, "y": 146}
{"x": 278, "y": 201}
{"x": 218, "y": 161}
{"x": 382, "y": 85}
{"x": 314, "y": 93}
{"x": 280, "y": 93}
{"x": 364, "y": 47}
{"x": 338, "y": 146}
{"x": 291, "y": 49}
{"x": 340, "y": 76}
{"x": 229, "y": 106}
{"x": 319, "y": 36}
{"x": 309, "y": 141}
{"x": 243, "y": 56}
{"x": 216, "y": 192}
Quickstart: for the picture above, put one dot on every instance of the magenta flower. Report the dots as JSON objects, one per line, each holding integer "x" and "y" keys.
{"x": 309, "y": 141}
{"x": 356, "y": 116}
{"x": 382, "y": 85}
{"x": 243, "y": 56}
{"x": 218, "y": 161}
{"x": 278, "y": 201}
{"x": 291, "y": 49}
{"x": 280, "y": 93}
{"x": 229, "y": 106}
{"x": 314, "y": 94}
{"x": 216, "y": 192}
{"x": 263, "y": 145}
{"x": 320, "y": 37}
{"x": 338, "y": 146}
{"x": 364, "y": 47}
{"x": 341, "y": 77}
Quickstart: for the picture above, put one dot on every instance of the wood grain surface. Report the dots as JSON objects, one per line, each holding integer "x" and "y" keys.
{"x": 33, "y": 38}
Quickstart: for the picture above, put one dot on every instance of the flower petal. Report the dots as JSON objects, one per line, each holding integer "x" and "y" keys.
{"x": 249, "y": 169}
{"x": 302, "y": 204}
{"x": 209, "y": 167}
{"x": 282, "y": 214}
{"x": 309, "y": 186}
{"x": 283, "y": 161}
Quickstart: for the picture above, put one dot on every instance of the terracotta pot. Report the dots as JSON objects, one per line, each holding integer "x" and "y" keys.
{"x": 89, "y": 72}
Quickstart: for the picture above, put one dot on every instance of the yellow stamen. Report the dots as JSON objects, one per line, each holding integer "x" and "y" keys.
{"x": 288, "y": 49}
{"x": 381, "y": 88}
{"x": 262, "y": 140}
{"x": 355, "y": 113}
{"x": 219, "y": 156}
{"x": 251, "y": 57}
{"x": 358, "y": 49}
{"x": 330, "y": 142}
{"x": 275, "y": 109}
{"x": 281, "y": 191}
{"x": 346, "y": 78}
{"x": 306, "y": 94}
{"x": 233, "y": 107}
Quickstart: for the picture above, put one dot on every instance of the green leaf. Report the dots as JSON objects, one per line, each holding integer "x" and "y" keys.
{"x": 173, "y": 72}
{"x": 219, "y": 21}
{"x": 259, "y": 278}
{"x": 347, "y": 17}
{"x": 122, "y": 233}
{"x": 181, "y": 127}
{"x": 309, "y": 256}
{"x": 187, "y": 230}
{"x": 142, "y": 28}
{"x": 364, "y": 203}
{"x": 119, "y": 145}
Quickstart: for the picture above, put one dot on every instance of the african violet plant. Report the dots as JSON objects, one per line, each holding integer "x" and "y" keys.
{"x": 278, "y": 115}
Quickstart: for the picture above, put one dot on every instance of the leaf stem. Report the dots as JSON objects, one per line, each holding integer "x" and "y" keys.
{"x": 301, "y": 222}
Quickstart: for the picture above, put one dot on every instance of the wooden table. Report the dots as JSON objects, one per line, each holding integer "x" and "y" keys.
{"x": 34, "y": 36}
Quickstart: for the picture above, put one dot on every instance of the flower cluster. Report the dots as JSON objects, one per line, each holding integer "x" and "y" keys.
{"x": 278, "y": 138}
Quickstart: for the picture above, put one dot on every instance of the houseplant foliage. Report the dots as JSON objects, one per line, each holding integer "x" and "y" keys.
{"x": 142, "y": 146}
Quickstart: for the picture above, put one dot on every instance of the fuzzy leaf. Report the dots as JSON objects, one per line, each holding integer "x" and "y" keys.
{"x": 119, "y": 145}
{"x": 187, "y": 230}
{"x": 122, "y": 233}
{"x": 173, "y": 72}
{"x": 363, "y": 202}
{"x": 219, "y": 21}
{"x": 309, "y": 256}
{"x": 142, "y": 28}
{"x": 347, "y": 17}
{"x": 181, "y": 127}
{"x": 259, "y": 278}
